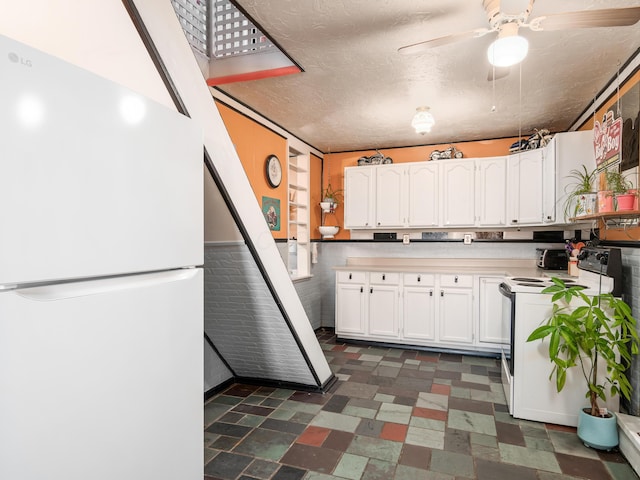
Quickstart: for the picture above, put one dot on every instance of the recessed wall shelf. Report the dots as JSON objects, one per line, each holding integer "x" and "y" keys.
{"x": 299, "y": 252}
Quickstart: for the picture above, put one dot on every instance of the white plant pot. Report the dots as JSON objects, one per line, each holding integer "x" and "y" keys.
{"x": 586, "y": 204}
{"x": 328, "y": 231}
{"x": 327, "y": 206}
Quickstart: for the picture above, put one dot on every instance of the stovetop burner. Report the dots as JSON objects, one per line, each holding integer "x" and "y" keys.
{"x": 531, "y": 284}
{"x": 527, "y": 280}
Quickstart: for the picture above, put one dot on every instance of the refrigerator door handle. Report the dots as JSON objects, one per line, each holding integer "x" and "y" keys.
{"x": 62, "y": 291}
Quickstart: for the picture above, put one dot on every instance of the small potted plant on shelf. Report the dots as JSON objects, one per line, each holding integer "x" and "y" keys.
{"x": 581, "y": 198}
{"x": 620, "y": 186}
{"x": 598, "y": 333}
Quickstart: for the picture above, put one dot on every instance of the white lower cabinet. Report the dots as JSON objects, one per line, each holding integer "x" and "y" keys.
{"x": 456, "y": 308}
{"x": 383, "y": 303}
{"x": 419, "y": 307}
{"x": 350, "y": 303}
{"x": 438, "y": 310}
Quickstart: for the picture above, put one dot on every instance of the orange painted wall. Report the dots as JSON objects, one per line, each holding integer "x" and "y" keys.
{"x": 588, "y": 125}
{"x": 614, "y": 234}
{"x": 254, "y": 143}
{"x": 334, "y": 164}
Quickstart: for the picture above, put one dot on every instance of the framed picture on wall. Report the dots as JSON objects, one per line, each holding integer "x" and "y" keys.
{"x": 271, "y": 212}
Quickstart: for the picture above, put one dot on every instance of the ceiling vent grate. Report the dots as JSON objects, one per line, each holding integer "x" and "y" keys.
{"x": 234, "y": 33}
{"x": 193, "y": 18}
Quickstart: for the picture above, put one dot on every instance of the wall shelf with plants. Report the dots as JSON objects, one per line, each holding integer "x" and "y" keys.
{"x": 612, "y": 219}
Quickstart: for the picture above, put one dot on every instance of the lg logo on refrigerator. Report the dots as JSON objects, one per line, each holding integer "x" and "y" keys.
{"x": 15, "y": 58}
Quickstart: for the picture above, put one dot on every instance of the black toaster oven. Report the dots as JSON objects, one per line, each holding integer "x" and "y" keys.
{"x": 552, "y": 258}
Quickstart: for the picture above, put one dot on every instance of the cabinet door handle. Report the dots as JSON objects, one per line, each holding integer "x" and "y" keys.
{"x": 418, "y": 277}
{"x": 514, "y": 221}
{"x": 384, "y": 276}
{"x": 350, "y": 275}
{"x": 371, "y": 290}
{"x": 456, "y": 279}
{"x": 442, "y": 293}
{"x": 378, "y": 223}
{"x": 361, "y": 289}
{"x": 431, "y": 293}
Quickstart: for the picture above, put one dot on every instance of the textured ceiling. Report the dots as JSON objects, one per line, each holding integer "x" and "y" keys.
{"x": 357, "y": 92}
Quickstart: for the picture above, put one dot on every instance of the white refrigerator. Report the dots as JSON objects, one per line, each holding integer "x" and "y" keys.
{"x": 101, "y": 285}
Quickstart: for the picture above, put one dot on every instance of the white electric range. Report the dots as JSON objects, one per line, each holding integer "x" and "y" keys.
{"x": 525, "y": 365}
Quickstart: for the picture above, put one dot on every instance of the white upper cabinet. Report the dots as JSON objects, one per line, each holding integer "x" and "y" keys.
{"x": 525, "y": 188}
{"x": 359, "y": 197}
{"x": 491, "y": 191}
{"x": 458, "y": 193}
{"x": 567, "y": 151}
{"x": 391, "y": 201}
{"x": 424, "y": 194}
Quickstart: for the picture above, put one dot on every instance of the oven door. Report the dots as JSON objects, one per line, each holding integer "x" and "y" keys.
{"x": 508, "y": 324}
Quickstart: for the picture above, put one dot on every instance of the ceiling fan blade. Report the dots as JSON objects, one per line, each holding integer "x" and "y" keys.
{"x": 608, "y": 17}
{"x": 436, "y": 42}
{"x": 496, "y": 73}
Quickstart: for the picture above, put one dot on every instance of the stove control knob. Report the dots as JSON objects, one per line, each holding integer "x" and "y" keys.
{"x": 582, "y": 255}
{"x": 603, "y": 258}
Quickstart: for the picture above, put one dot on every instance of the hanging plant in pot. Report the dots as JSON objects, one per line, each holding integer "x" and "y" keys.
{"x": 597, "y": 335}
{"x": 330, "y": 199}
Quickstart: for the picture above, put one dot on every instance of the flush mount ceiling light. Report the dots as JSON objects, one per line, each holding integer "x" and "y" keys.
{"x": 422, "y": 120}
{"x": 509, "y": 48}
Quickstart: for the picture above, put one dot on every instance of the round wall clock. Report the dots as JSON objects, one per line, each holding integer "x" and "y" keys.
{"x": 274, "y": 171}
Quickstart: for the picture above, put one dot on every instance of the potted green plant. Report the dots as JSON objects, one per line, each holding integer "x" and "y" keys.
{"x": 581, "y": 197}
{"x": 599, "y": 332}
{"x": 619, "y": 187}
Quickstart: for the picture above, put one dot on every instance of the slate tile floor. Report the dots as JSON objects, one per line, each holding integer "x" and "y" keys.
{"x": 392, "y": 414}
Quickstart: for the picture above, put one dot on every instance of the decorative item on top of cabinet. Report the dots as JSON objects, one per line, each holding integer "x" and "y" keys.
{"x": 540, "y": 138}
{"x": 447, "y": 153}
{"x": 375, "y": 159}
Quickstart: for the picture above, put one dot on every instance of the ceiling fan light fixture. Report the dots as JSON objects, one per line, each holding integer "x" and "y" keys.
{"x": 509, "y": 48}
{"x": 422, "y": 120}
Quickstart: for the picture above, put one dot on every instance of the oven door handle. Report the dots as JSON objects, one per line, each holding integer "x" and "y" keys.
{"x": 505, "y": 290}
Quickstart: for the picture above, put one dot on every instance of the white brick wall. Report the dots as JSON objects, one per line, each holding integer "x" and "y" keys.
{"x": 631, "y": 295}
{"x": 244, "y": 322}
{"x": 215, "y": 372}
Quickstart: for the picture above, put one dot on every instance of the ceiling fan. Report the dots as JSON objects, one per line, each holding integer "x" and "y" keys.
{"x": 508, "y": 24}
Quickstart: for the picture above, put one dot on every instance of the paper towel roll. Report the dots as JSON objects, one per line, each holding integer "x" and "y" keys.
{"x": 314, "y": 252}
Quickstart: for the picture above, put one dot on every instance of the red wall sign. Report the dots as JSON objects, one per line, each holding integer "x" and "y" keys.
{"x": 607, "y": 140}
